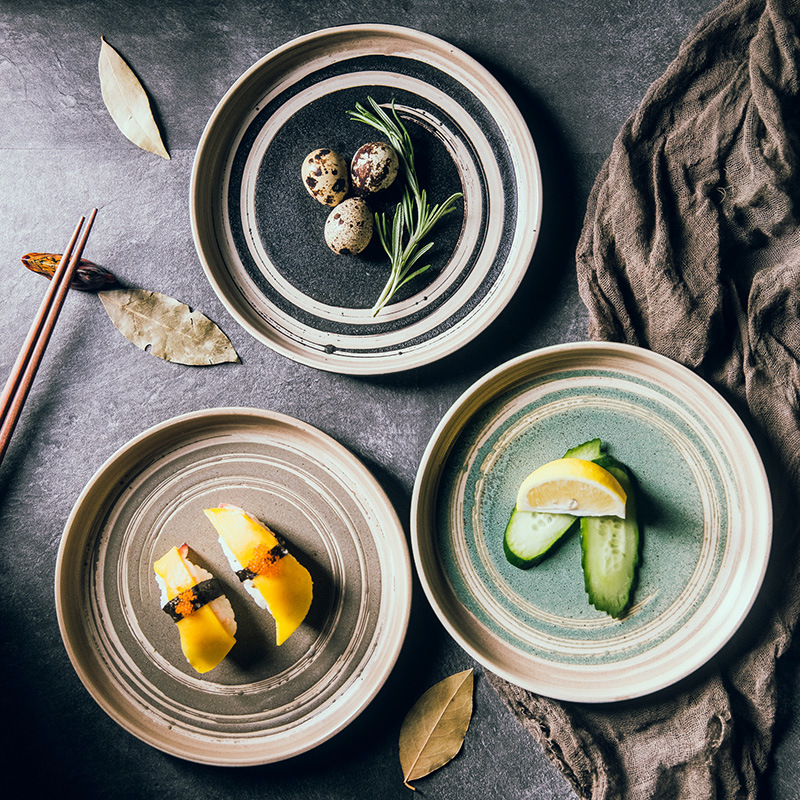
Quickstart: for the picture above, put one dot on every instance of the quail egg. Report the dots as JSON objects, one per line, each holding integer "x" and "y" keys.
{"x": 324, "y": 174}
{"x": 374, "y": 167}
{"x": 348, "y": 228}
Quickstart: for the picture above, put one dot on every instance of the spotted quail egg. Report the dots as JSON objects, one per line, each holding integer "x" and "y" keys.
{"x": 374, "y": 167}
{"x": 324, "y": 174}
{"x": 348, "y": 228}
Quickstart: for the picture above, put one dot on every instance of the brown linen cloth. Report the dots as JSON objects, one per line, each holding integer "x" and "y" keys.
{"x": 690, "y": 247}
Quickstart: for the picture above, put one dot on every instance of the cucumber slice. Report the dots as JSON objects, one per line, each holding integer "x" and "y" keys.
{"x": 531, "y": 535}
{"x": 588, "y": 451}
{"x": 607, "y": 461}
{"x": 610, "y": 550}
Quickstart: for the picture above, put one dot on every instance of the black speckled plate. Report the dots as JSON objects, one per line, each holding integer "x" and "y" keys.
{"x": 263, "y": 703}
{"x": 259, "y": 234}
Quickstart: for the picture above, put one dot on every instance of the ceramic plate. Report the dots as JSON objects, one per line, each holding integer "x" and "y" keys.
{"x": 259, "y": 234}
{"x": 263, "y": 703}
{"x": 705, "y": 515}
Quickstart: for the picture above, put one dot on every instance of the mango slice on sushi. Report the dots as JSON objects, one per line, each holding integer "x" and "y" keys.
{"x": 195, "y": 600}
{"x": 275, "y": 579}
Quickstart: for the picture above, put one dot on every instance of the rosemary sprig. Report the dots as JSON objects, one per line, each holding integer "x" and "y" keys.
{"x": 413, "y": 217}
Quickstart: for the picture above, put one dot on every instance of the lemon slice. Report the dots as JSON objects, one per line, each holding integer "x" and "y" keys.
{"x": 572, "y": 486}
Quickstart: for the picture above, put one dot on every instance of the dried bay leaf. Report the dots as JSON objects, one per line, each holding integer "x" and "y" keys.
{"x": 167, "y": 327}
{"x": 434, "y": 729}
{"x": 127, "y": 101}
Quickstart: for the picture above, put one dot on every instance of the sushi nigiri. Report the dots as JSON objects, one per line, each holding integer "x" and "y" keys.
{"x": 195, "y": 600}
{"x": 274, "y": 578}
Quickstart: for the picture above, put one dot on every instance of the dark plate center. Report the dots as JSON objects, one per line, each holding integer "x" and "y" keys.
{"x": 291, "y": 223}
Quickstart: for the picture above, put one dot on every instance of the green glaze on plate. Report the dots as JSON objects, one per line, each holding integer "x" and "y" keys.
{"x": 705, "y": 516}
{"x": 263, "y": 703}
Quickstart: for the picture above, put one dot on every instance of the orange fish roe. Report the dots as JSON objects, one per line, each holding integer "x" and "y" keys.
{"x": 264, "y": 559}
{"x": 183, "y": 603}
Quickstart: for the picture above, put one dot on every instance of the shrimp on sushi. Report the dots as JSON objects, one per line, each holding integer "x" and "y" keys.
{"x": 194, "y": 598}
{"x": 275, "y": 579}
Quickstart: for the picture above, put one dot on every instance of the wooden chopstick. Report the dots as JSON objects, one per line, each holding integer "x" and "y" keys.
{"x": 24, "y": 370}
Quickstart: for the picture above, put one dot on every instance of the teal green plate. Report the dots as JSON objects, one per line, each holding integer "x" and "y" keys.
{"x": 705, "y": 514}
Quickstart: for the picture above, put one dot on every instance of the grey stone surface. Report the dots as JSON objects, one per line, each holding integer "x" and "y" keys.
{"x": 577, "y": 69}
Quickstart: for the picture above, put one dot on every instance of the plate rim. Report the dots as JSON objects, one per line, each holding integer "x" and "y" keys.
{"x": 426, "y": 472}
{"x": 487, "y": 311}
{"x": 105, "y": 692}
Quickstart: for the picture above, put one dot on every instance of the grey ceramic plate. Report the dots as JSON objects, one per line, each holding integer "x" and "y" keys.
{"x": 263, "y": 703}
{"x": 259, "y": 234}
{"x": 705, "y": 513}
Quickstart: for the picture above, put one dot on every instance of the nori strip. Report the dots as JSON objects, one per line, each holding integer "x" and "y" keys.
{"x": 273, "y": 555}
{"x": 198, "y": 595}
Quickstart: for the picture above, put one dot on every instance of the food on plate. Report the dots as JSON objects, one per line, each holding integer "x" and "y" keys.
{"x": 572, "y": 486}
{"x": 403, "y": 238}
{"x": 275, "y": 579}
{"x": 374, "y": 167}
{"x": 610, "y": 551}
{"x": 348, "y": 228}
{"x": 324, "y": 174}
{"x": 593, "y": 488}
{"x": 532, "y": 535}
{"x": 195, "y": 600}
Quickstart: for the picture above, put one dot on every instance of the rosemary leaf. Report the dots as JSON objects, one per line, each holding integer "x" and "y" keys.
{"x": 413, "y": 218}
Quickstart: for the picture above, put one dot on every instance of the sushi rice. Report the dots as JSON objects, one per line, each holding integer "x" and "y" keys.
{"x": 248, "y": 584}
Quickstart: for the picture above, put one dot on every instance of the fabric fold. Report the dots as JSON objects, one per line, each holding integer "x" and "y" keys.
{"x": 690, "y": 247}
